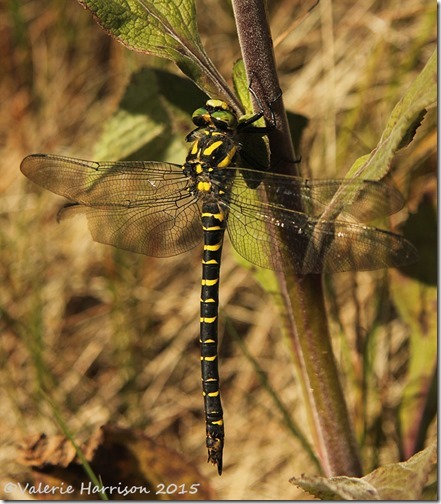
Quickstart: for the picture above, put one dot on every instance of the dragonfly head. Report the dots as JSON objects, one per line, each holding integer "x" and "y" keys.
{"x": 217, "y": 114}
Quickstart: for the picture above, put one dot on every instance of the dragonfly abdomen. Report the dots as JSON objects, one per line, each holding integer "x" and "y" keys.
{"x": 213, "y": 224}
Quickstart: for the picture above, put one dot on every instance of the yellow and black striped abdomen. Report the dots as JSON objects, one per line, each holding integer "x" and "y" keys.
{"x": 213, "y": 223}
{"x": 208, "y": 168}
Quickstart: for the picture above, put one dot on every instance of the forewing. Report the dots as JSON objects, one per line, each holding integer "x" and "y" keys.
{"x": 139, "y": 206}
{"x": 363, "y": 199}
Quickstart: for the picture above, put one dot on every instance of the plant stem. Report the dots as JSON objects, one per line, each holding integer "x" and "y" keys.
{"x": 258, "y": 56}
{"x": 303, "y": 298}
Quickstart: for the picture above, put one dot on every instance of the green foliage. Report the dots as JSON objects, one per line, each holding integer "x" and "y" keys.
{"x": 397, "y": 482}
{"x": 405, "y": 118}
{"x": 166, "y": 29}
{"x": 150, "y": 119}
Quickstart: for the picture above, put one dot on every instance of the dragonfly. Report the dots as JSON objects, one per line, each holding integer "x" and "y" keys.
{"x": 163, "y": 209}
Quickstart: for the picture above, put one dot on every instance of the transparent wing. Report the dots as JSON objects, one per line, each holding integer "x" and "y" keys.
{"x": 277, "y": 237}
{"x": 363, "y": 199}
{"x": 139, "y": 206}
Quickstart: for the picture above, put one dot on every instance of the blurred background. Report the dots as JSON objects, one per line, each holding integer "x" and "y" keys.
{"x": 95, "y": 335}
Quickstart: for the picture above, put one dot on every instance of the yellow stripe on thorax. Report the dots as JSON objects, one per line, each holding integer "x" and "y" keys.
{"x": 228, "y": 159}
{"x": 194, "y": 147}
{"x": 211, "y": 148}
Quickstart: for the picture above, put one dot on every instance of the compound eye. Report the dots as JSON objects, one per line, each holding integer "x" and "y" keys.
{"x": 224, "y": 119}
{"x": 201, "y": 117}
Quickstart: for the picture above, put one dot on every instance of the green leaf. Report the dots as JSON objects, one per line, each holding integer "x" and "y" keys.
{"x": 412, "y": 300}
{"x": 151, "y": 120}
{"x": 402, "y": 124}
{"x": 167, "y": 29}
{"x": 400, "y": 481}
{"x": 338, "y": 488}
{"x": 400, "y": 129}
{"x": 139, "y": 120}
{"x": 404, "y": 480}
{"x": 241, "y": 86}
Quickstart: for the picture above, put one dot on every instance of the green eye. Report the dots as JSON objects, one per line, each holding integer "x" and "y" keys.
{"x": 216, "y": 115}
{"x": 201, "y": 117}
{"x": 224, "y": 119}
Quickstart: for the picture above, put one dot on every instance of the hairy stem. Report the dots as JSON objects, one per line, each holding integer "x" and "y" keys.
{"x": 302, "y": 296}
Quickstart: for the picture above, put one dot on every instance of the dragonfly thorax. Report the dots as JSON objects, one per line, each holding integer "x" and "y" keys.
{"x": 210, "y": 153}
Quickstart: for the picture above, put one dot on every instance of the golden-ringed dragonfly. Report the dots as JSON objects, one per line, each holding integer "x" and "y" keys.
{"x": 163, "y": 209}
